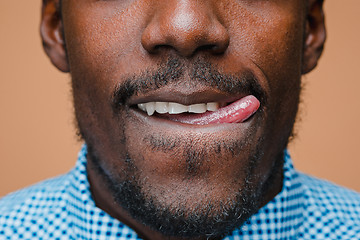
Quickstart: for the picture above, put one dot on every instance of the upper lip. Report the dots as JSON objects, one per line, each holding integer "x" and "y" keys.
{"x": 185, "y": 96}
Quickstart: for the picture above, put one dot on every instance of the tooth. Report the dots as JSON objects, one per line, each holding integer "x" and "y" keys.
{"x": 142, "y": 106}
{"x": 176, "y": 108}
{"x": 162, "y": 107}
{"x": 150, "y": 108}
{"x": 197, "y": 108}
{"x": 213, "y": 106}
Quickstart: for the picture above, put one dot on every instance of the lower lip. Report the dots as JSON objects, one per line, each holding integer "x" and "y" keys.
{"x": 237, "y": 112}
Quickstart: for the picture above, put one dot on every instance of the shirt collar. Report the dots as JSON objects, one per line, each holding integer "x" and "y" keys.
{"x": 91, "y": 222}
{"x": 281, "y": 217}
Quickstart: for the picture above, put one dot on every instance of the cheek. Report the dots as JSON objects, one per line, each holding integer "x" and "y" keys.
{"x": 103, "y": 38}
{"x": 271, "y": 36}
{"x": 274, "y": 42}
{"x": 100, "y": 44}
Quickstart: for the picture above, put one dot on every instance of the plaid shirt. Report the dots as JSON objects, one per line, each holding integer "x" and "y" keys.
{"x": 62, "y": 208}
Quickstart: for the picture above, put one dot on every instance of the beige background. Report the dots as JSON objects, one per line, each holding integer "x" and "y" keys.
{"x": 37, "y": 137}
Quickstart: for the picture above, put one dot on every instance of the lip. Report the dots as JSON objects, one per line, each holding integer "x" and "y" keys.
{"x": 185, "y": 96}
{"x": 163, "y": 123}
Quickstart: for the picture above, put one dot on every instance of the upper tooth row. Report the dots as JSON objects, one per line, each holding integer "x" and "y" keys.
{"x": 176, "y": 108}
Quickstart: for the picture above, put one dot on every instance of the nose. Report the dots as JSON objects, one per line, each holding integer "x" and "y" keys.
{"x": 186, "y": 26}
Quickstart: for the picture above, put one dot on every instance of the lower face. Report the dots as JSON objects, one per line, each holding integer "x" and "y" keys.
{"x": 179, "y": 178}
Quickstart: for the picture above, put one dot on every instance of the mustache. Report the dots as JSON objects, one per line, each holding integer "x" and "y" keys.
{"x": 201, "y": 72}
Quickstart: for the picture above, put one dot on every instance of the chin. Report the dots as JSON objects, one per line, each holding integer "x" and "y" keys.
{"x": 191, "y": 189}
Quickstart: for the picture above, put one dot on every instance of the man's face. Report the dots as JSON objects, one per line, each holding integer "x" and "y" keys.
{"x": 178, "y": 173}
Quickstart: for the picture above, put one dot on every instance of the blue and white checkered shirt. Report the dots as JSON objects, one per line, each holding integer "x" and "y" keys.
{"x": 62, "y": 208}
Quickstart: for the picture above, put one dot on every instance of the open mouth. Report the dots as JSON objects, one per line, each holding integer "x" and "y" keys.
{"x": 203, "y": 113}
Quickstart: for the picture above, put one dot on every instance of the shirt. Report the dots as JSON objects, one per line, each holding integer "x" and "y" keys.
{"x": 63, "y": 208}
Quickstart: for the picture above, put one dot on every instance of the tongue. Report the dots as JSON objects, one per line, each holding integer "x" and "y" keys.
{"x": 236, "y": 112}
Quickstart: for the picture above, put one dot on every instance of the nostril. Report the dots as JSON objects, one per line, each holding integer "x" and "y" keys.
{"x": 207, "y": 47}
{"x": 161, "y": 46}
{"x": 213, "y": 48}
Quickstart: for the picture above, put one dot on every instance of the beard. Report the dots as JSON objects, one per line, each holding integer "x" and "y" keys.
{"x": 211, "y": 216}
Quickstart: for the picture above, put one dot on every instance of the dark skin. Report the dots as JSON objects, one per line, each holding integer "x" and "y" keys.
{"x": 107, "y": 41}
